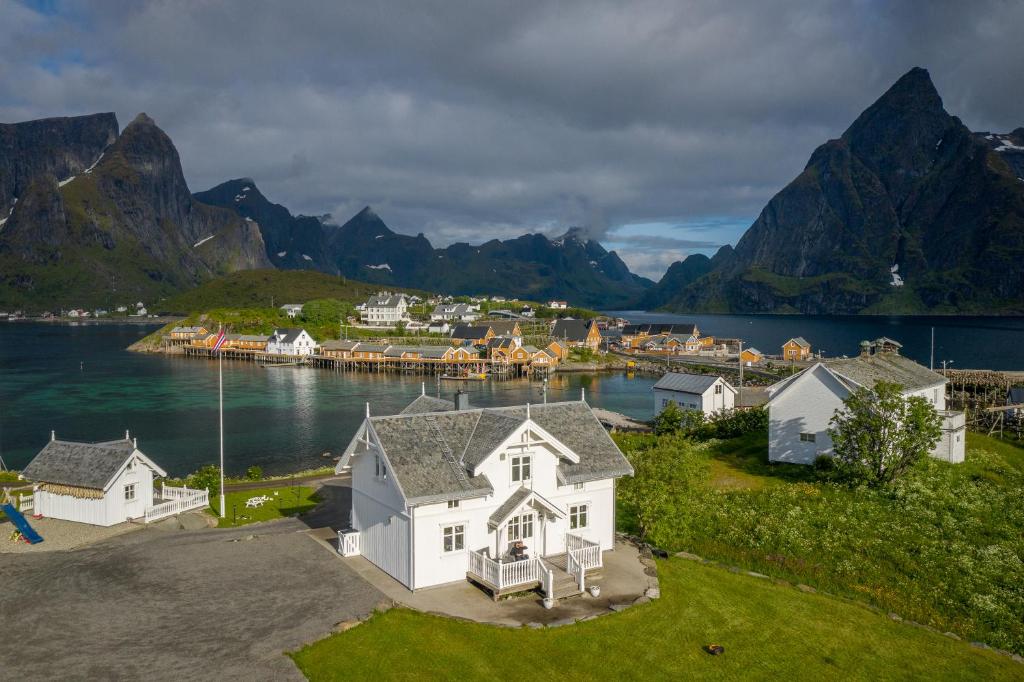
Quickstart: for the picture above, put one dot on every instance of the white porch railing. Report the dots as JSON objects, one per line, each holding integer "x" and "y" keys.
{"x": 505, "y": 574}
{"x": 26, "y": 503}
{"x": 178, "y": 500}
{"x": 581, "y": 556}
{"x": 348, "y": 542}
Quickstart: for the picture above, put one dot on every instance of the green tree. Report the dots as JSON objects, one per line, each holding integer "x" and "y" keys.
{"x": 325, "y": 312}
{"x": 208, "y": 477}
{"x": 669, "y": 420}
{"x": 254, "y": 473}
{"x": 654, "y": 499}
{"x": 879, "y": 434}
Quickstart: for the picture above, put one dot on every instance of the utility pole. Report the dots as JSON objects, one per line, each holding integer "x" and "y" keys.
{"x": 739, "y": 391}
{"x": 931, "y": 361}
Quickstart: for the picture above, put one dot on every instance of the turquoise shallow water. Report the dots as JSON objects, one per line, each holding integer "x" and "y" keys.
{"x": 80, "y": 382}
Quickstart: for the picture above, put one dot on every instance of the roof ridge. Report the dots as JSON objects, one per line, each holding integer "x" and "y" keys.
{"x": 462, "y": 455}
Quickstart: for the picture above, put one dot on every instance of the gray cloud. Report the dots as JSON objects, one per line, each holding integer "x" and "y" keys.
{"x": 468, "y": 122}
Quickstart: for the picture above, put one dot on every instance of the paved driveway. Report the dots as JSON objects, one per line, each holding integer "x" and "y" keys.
{"x": 180, "y": 605}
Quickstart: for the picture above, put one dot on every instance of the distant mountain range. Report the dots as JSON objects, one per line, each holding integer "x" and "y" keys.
{"x": 95, "y": 218}
{"x": 907, "y": 212}
{"x": 533, "y": 266}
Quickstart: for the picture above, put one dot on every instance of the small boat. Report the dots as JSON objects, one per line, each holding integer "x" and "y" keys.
{"x": 473, "y": 376}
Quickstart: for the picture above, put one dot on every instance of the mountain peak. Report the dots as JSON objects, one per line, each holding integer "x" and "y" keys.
{"x": 142, "y": 119}
{"x": 911, "y": 104}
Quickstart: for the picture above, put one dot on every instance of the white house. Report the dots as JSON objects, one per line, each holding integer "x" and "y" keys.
{"x": 703, "y": 392}
{"x": 458, "y": 312}
{"x": 385, "y": 310}
{"x": 441, "y": 494}
{"x": 290, "y": 341}
{"x": 558, "y": 305}
{"x": 292, "y": 310}
{"x": 801, "y": 407}
{"x": 96, "y": 483}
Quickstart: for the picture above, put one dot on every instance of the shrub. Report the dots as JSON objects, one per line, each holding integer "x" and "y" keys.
{"x": 824, "y": 464}
{"x": 208, "y": 477}
{"x": 669, "y": 420}
{"x": 254, "y": 473}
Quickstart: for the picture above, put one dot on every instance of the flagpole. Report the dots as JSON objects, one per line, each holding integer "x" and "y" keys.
{"x": 220, "y": 391}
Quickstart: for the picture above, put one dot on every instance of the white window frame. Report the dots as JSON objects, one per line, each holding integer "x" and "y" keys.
{"x": 380, "y": 468}
{"x": 517, "y": 527}
{"x": 453, "y": 504}
{"x": 129, "y": 488}
{"x": 454, "y": 530}
{"x": 576, "y": 511}
{"x": 578, "y": 486}
{"x": 806, "y": 437}
{"x": 518, "y": 465}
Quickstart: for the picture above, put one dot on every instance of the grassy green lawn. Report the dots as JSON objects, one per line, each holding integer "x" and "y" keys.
{"x": 768, "y": 632}
{"x": 284, "y": 501}
{"x": 944, "y": 547}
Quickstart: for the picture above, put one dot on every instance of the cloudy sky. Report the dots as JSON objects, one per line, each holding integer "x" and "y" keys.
{"x": 662, "y": 127}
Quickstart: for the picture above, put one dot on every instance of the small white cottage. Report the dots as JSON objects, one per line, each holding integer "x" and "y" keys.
{"x": 441, "y": 494}
{"x": 704, "y": 392}
{"x": 290, "y": 342}
{"x": 96, "y": 483}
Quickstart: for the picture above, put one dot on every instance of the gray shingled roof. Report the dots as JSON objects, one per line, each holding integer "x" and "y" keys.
{"x": 469, "y": 331}
{"x": 800, "y": 341}
{"x": 426, "y": 403}
{"x": 508, "y": 506}
{"x": 410, "y": 443}
{"x": 571, "y": 330}
{"x": 686, "y": 383}
{"x": 85, "y": 465}
{"x": 502, "y": 327}
{"x": 379, "y": 301}
{"x": 867, "y": 370}
{"x": 288, "y": 334}
{"x": 339, "y": 345}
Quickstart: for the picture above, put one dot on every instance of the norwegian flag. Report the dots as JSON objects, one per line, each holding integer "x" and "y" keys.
{"x": 221, "y": 338}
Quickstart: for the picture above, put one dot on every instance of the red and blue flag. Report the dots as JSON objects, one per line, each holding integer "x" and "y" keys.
{"x": 221, "y": 338}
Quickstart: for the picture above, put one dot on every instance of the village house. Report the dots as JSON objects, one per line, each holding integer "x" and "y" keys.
{"x": 508, "y": 349}
{"x": 455, "y": 312}
{"x": 439, "y": 328}
{"x": 101, "y": 484}
{"x": 577, "y": 334}
{"x": 801, "y": 407}
{"x": 509, "y": 328}
{"x": 369, "y": 351}
{"x": 1015, "y": 400}
{"x": 338, "y": 349}
{"x": 477, "y": 335}
{"x": 385, "y": 310}
{"x": 541, "y": 358}
{"x": 796, "y": 349}
{"x": 704, "y": 392}
{"x": 442, "y": 493}
{"x": 250, "y": 342}
{"x": 634, "y": 335}
{"x": 292, "y": 310}
{"x": 185, "y": 334}
{"x": 558, "y": 305}
{"x": 290, "y": 341}
{"x": 751, "y": 356}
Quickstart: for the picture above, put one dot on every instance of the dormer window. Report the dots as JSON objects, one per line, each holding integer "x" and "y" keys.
{"x": 520, "y": 468}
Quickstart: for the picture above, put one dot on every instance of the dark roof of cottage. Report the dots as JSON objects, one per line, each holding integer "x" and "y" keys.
{"x": 503, "y": 327}
{"x": 501, "y": 342}
{"x": 508, "y": 506}
{"x": 426, "y": 403}
{"x": 85, "y": 465}
{"x": 288, "y": 334}
{"x": 867, "y": 370}
{"x": 571, "y": 330}
{"x": 410, "y": 441}
{"x": 253, "y": 337}
{"x": 1015, "y": 396}
{"x": 800, "y": 341}
{"x": 686, "y": 383}
{"x": 339, "y": 345}
{"x": 370, "y": 347}
{"x": 469, "y": 331}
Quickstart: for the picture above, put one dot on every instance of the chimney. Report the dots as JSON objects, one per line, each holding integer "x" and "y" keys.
{"x": 865, "y": 349}
{"x": 53, "y": 435}
{"x": 461, "y": 400}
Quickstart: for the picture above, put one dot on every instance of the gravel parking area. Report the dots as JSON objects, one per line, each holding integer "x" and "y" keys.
{"x": 183, "y": 605}
{"x": 60, "y": 535}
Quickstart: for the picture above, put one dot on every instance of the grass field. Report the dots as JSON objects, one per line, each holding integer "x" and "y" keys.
{"x": 285, "y": 501}
{"x": 768, "y": 631}
{"x": 944, "y": 547}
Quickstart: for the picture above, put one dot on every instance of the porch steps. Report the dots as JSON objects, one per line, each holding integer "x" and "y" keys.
{"x": 565, "y": 585}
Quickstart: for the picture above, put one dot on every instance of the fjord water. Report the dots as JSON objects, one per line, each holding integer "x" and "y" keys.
{"x": 81, "y": 382}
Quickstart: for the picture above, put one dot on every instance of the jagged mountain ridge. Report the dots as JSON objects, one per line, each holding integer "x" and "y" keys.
{"x": 365, "y": 248}
{"x": 906, "y": 186}
{"x": 125, "y": 228}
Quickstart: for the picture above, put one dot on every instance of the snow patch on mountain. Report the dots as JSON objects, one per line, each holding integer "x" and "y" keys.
{"x": 382, "y": 266}
{"x": 203, "y": 241}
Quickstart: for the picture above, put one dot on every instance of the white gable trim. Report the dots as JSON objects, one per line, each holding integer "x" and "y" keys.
{"x": 817, "y": 372}
{"x": 544, "y": 437}
{"x": 136, "y": 453}
{"x": 374, "y": 442}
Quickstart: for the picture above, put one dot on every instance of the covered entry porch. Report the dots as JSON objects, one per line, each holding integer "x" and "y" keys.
{"x": 531, "y": 548}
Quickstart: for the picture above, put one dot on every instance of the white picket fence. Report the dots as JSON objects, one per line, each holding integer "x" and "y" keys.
{"x": 348, "y": 542}
{"x": 26, "y": 503}
{"x": 503, "y": 574}
{"x": 178, "y": 500}
{"x": 581, "y": 556}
